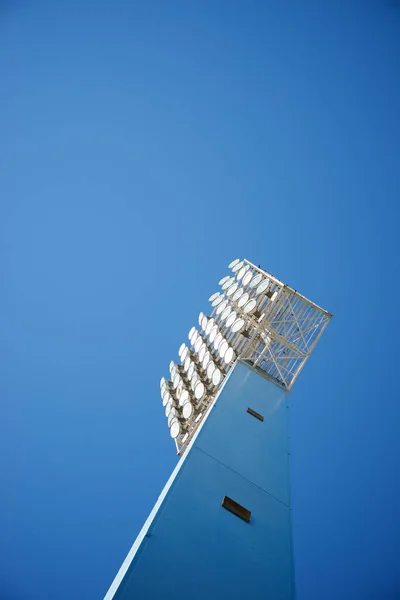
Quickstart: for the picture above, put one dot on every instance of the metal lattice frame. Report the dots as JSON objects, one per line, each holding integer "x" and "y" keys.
{"x": 286, "y": 333}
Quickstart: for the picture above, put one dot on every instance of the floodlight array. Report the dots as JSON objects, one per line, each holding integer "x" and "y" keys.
{"x": 255, "y": 318}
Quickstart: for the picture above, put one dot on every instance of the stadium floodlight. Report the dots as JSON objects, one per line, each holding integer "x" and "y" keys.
{"x": 222, "y": 348}
{"x": 213, "y": 333}
{"x": 210, "y": 325}
{"x": 232, "y": 289}
{"x": 239, "y": 326}
{"x": 255, "y": 318}
{"x": 188, "y": 410}
{"x": 225, "y": 313}
{"x": 220, "y": 298}
{"x": 255, "y": 282}
{"x": 233, "y": 263}
{"x": 210, "y": 369}
{"x": 229, "y": 355}
{"x": 242, "y": 272}
{"x": 231, "y": 319}
{"x": 243, "y": 299}
{"x": 207, "y": 358}
{"x": 217, "y": 377}
{"x": 228, "y": 283}
{"x": 222, "y": 281}
{"x": 217, "y": 340}
{"x": 176, "y": 428}
{"x": 199, "y": 390}
{"x": 173, "y": 414}
{"x": 198, "y": 344}
{"x": 202, "y": 352}
{"x": 247, "y": 278}
{"x": 166, "y": 397}
{"x": 238, "y": 266}
{"x": 185, "y": 397}
{"x": 221, "y": 307}
{"x": 237, "y": 294}
{"x": 262, "y": 288}
{"x": 250, "y": 308}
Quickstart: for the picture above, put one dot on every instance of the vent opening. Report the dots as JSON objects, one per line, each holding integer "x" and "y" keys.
{"x": 255, "y": 414}
{"x": 236, "y": 509}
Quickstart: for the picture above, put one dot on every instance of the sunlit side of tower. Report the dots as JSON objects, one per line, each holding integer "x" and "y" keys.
{"x": 222, "y": 525}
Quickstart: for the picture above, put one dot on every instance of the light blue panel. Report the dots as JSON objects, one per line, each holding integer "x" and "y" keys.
{"x": 257, "y": 450}
{"x": 196, "y": 548}
{"x": 199, "y": 549}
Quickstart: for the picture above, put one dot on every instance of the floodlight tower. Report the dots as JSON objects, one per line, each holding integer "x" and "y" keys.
{"x": 226, "y": 404}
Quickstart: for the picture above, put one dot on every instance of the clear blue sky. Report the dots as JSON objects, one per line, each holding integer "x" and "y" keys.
{"x": 143, "y": 146}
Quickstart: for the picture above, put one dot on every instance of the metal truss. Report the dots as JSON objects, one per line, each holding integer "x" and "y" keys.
{"x": 285, "y": 334}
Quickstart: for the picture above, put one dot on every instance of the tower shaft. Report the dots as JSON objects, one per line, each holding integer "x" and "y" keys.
{"x": 193, "y": 546}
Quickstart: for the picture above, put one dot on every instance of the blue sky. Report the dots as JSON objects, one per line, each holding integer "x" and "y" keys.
{"x": 143, "y": 146}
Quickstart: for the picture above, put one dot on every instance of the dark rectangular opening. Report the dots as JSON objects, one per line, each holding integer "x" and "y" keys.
{"x": 255, "y": 414}
{"x": 236, "y": 509}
